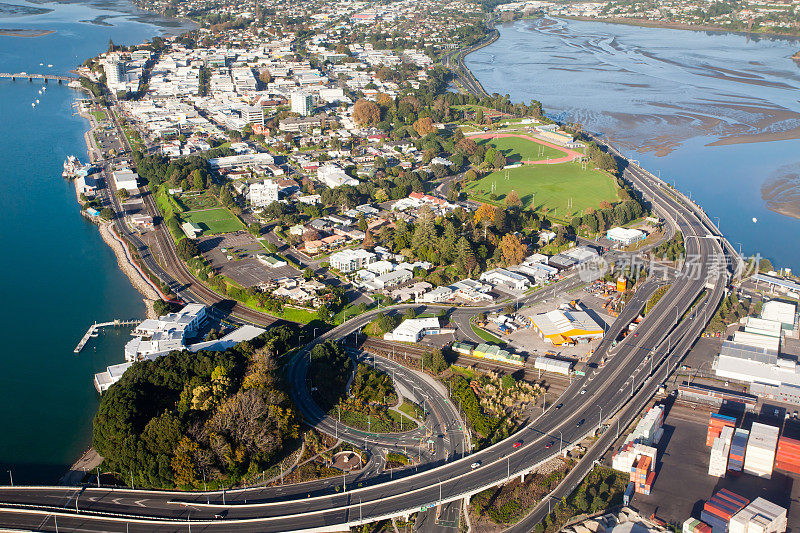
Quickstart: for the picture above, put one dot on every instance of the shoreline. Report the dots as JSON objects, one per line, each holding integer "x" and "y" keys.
{"x": 644, "y": 23}
{"x": 125, "y": 263}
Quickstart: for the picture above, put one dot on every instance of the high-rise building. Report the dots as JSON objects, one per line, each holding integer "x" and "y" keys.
{"x": 115, "y": 72}
{"x": 302, "y": 103}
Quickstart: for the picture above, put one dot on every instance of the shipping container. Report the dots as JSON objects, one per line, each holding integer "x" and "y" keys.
{"x": 759, "y": 457}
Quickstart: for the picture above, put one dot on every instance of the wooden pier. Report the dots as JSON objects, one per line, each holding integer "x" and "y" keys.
{"x": 92, "y": 332}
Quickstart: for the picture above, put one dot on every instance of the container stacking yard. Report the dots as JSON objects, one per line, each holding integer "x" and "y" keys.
{"x": 718, "y": 462}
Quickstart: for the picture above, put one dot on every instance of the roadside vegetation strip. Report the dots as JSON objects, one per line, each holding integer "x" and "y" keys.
{"x": 660, "y": 292}
{"x": 510, "y": 502}
{"x": 601, "y": 489}
{"x": 485, "y": 335}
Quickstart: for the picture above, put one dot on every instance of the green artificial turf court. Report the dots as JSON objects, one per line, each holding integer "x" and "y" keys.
{"x": 214, "y": 221}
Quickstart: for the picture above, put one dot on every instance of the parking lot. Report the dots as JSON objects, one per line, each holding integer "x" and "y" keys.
{"x": 527, "y": 340}
{"x": 242, "y": 267}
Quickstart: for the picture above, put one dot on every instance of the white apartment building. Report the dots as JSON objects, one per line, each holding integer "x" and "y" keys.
{"x": 333, "y": 176}
{"x": 264, "y": 193}
{"x": 302, "y": 103}
{"x": 348, "y": 261}
{"x": 114, "y": 68}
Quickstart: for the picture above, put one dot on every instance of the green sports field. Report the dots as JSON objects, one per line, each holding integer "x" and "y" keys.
{"x": 517, "y": 149}
{"x": 550, "y": 186}
{"x": 214, "y": 221}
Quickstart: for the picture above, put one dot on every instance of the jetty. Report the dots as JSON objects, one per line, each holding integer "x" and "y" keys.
{"x": 31, "y": 77}
{"x": 92, "y": 332}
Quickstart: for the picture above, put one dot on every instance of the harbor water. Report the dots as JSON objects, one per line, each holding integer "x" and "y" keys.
{"x": 58, "y": 276}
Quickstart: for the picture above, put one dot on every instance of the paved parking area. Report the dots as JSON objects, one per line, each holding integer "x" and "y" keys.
{"x": 527, "y": 340}
{"x": 243, "y": 267}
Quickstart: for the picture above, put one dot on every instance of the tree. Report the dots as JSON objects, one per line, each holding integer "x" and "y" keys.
{"x": 106, "y": 213}
{"x": 198, "y": 181}
{"x": 265, "y": 77}
{"x": 254, "y": 229}
{"x": 366, "y": 113}
{"x": 369, "y": 241}
{"x": 123, "y": 194}
{"x": 483, "y": 213}
{"x": 512, "y": 250}
{"x": 499, "y": 160}
{"x": 310, "y": 235}
{"x": 466, "y": 256}
{"x": 384, "y": 100}
{"x": 512, "y": 199}
{"x": 187, "y": 249}
{"x": 490, "y": 155}
{"x": 424, "y": 126}
{"x": 467, "y": 146}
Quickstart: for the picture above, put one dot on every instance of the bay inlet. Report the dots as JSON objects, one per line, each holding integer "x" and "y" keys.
{"x": 715, "y": 114}
{"x": 58, "y": 275}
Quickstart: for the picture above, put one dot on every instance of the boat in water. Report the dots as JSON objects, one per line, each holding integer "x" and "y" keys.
{"x": 71, "y": 166}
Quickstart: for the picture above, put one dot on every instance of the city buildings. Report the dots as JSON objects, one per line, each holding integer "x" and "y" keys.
{"x": 625, "y": 236}
{"x": 262, "y": 194}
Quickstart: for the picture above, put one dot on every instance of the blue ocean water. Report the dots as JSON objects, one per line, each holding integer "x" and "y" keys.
{"x": 57, "y": 276}
{"x": 666, "y": 97}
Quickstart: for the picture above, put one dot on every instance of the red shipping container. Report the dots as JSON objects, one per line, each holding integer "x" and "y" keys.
{"x": 702, "y": 527}
{"x": 733, "y": 497}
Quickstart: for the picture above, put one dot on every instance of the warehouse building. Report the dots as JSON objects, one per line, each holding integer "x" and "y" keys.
{"x": 783, "y": 312}
{"x": 413, "y": 329}
{"x": 625, "y": 236}
{"x": 566, "y": 327}
{"x": 550, "y": 364}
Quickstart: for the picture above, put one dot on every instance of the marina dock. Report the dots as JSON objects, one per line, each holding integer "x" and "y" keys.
{"x": 92, "y": 332}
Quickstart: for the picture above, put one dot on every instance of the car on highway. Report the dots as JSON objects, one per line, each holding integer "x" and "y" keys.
{"x": 518, "y": 444}
{"x": 559, "y": 406}
{"x": 475, "y": 465}
{"x": 580, "y": 422}
{"x": 549, "y": 445}
{"x": 583, "y": 391}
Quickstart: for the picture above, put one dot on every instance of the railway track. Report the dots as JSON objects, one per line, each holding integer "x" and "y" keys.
{"x": 399, "y": 351}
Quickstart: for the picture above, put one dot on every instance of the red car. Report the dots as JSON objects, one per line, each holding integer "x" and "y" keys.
{"x": 546, "y": 446}
{"x": 518, "y": 444}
